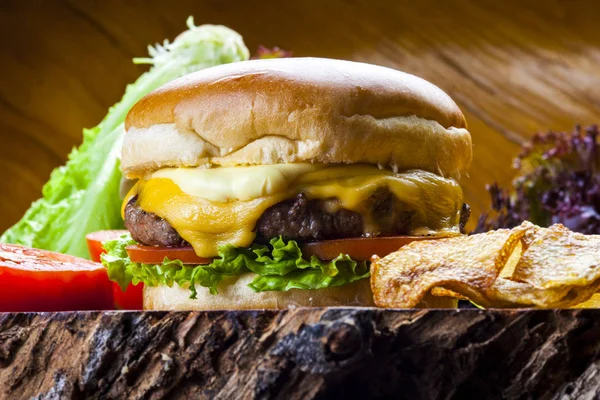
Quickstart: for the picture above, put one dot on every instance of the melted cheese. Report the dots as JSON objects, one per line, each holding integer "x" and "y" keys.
{"x": 213, "y": 207}
{"x": 236, "y": 183}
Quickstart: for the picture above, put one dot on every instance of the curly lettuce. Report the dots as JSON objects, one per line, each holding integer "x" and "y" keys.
{"x": 83, "y": 195}
{"x": 280, "y": 266}
{"x": 557, "y": 181}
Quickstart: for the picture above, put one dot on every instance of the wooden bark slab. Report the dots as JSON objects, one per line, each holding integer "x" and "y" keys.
{"x": 301, "y": 354}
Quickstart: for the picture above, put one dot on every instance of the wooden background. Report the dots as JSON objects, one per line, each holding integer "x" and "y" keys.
{"x": 514, "y": 67}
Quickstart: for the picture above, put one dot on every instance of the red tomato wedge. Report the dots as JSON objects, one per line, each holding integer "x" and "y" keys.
{"x": 156, "y": 255}
{"x": 359, "y": 249}
{"x": 130, "y": 299}
{"x": 95, "y": 240}
{"x": 41, "y": 280}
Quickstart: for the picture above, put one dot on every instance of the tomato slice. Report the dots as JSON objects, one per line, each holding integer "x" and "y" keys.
{"x": 132, "y": 297}
{"x": 156, "y": 255}
{"x": 359, "y": 249}
{"x": 95, "y": 240}
{"x": 41, "y": 280}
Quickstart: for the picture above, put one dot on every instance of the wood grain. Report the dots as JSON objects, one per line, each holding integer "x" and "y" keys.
{"x": 301, "y": 354}
{"x": 514, "y": 67}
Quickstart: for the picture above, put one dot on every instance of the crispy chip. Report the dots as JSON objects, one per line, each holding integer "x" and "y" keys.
{"x": 557, "y": 257}
{"x": 513, "y": 260}
{"x": 592, "y": 302}
{"x": 527, "y": 266}
{"x": 559, "y": 268}
{"x": 466, "y": 264}
{"x": 434, "y": 301}
{"x": 442, "y": 292}
{"x": 509, "y": 293}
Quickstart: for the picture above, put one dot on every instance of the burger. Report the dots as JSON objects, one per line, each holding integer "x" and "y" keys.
{"x": 271, "y": 183}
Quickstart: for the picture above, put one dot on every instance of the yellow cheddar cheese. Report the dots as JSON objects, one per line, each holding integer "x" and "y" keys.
{"x": 213, "y": 207}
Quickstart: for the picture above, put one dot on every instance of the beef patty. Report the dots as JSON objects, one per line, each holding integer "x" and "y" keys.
{"x": 150, "y": 229}
{"x": 298, "y": 219}
{"x": 304, "y": 219}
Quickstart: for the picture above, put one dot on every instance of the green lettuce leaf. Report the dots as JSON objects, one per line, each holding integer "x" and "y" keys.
{"x": 279, "y": 266}
{"x": 122, "y": 270}
{"x": 83, "y": 195}
{"x": 314, "y": 277}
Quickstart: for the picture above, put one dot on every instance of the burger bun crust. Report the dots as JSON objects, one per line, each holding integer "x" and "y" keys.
{"x": 297, "y": 110}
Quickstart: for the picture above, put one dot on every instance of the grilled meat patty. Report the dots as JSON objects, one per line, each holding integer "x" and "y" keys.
{"x": 304, "y": 219}
{"x": 150, "y": 229}
{"x": 298, "y": 219}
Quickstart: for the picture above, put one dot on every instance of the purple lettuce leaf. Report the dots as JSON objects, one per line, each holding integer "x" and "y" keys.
{"x": 557, "y": 181}
{"x": 275, "y": 52}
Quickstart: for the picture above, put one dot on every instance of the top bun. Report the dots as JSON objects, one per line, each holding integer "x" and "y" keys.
{"x": 297, "y": 110}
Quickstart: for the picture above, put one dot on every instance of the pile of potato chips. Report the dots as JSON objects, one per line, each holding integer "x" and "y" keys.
{"x": 526, "y": 266}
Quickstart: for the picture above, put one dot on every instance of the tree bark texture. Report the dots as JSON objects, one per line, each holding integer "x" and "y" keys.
{"x": 301, "y": 354}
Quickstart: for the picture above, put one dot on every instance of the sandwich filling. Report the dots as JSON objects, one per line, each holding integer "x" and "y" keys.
{"x": 212, "y": 207}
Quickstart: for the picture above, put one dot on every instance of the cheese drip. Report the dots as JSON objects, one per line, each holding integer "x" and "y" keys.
{"x": 213, "y": 207}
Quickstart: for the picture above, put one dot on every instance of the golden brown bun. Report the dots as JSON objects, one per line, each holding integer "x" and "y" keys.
{"x": 297, "y": 110}
{"x": 234, "y": 294}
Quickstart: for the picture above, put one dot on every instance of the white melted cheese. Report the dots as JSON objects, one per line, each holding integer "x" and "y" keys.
{"x": 223, "y": 184}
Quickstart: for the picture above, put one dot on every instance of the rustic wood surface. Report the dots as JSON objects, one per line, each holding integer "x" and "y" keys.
{"x": 514, "y": 66}
{"x": 301, "y": 354}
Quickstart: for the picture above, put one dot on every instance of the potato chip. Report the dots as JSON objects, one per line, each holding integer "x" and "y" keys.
{"x": 592, "y": 302}
{"x": 513, "y": 260}
{"x": 434, "y": 301}
{"x": 527, "y": 266}
{"x": 556, "y": 257}
{"x": 509, "y": 293}
{"x": 442, "y": 292}
{"x": 558, "y": 268}
{"x": 466, "y": 264}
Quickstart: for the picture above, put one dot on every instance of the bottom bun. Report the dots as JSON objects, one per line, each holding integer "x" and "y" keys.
{"x": 234, "y": 294}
